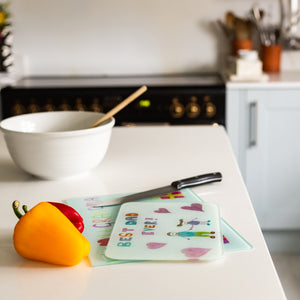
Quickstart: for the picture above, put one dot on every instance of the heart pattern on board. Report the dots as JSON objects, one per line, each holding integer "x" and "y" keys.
{"x": 154, "y": 245}
{"x": 194, "y": 206}
{"x": 103, "y": 242}
{"x": 194, "y": 252}
{"x": 162, "y": 211}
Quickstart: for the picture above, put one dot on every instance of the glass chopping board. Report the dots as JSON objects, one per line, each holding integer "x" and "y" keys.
{"x": 99, "y": 222}
{"x": 166, "y": 231}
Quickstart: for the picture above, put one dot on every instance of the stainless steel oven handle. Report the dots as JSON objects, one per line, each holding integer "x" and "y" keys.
{"x": 253, "y": 124}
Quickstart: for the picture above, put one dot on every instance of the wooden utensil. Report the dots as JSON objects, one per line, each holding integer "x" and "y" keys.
{"x": 241, "y": 27}
{"x": 230, "y": 17}
{"x": 121, "y": 105}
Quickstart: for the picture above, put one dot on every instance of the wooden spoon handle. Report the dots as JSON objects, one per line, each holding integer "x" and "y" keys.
{"x": 120, "y": 106}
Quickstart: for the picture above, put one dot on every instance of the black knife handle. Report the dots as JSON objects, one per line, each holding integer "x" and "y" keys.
{"x": 197, "y": 180}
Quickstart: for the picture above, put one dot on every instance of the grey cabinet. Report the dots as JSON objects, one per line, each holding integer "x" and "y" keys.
{"x": 264, "y": 128}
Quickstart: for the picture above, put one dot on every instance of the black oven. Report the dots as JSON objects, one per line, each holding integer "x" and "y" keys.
{"x": 176, "y": 99}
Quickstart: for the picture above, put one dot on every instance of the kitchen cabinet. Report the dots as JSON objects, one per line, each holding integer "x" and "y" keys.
{"x": 264, "y": 126}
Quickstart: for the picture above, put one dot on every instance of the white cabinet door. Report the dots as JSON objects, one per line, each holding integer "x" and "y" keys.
{"x": 272, "y": 156}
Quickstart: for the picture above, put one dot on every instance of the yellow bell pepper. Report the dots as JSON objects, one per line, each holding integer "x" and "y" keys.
{"x": 45, "y": 234}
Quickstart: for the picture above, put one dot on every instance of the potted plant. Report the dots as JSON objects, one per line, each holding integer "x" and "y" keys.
{"x": 5, "y": 37}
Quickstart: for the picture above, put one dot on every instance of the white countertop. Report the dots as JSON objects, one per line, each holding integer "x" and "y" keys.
{"x": 282, "y": 80}
{"x": 141, "y": 158}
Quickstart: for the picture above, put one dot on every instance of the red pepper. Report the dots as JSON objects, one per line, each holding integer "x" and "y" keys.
{"x": 71, "y": 214}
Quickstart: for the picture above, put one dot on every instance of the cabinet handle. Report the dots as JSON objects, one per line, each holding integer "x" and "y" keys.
{"x": 253, "y": 124}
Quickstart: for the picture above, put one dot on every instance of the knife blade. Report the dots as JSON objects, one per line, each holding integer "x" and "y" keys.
{"x": 174, "y": 186}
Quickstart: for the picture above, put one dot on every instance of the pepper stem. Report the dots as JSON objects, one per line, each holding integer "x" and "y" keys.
{"x": 15, "y": 206}
{"x": 25, "y": 208}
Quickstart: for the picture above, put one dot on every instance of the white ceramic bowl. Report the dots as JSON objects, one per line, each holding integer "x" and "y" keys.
{"x": 56, "y": 145}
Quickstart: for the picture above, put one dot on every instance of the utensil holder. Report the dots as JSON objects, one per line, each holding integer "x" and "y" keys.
{"x": 241, "y": 44}
{"x": 271, "y": 58}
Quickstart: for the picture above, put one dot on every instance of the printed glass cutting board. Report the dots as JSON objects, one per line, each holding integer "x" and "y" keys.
{"x": 166, "y": 231}
{"x": 99, "y": 222}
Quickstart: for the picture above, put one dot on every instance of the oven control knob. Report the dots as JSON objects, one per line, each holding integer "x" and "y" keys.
{"x": 33, "y": 106}
{"x": 96, "y": 106}
{"x": 210, "y": 110}
{"x": 49, "y": 106}
{"x": 79, "y": 105}
{"x": 193, "y": 109}
{"x": 176, "y": 109}
{"x": 64, "y": 105}
{"x": 18, "y": 108}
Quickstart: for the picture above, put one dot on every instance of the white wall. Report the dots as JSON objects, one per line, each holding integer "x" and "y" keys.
{"x": 107, "y": 37}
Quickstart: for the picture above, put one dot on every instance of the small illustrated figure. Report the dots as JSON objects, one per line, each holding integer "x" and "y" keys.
{"x": 193, "y": 222}
{"x": 189, "y": 234}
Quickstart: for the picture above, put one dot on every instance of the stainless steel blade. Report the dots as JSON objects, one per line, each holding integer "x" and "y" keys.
{"x": 139, "y": 196}
{"x": 174, "y": 186}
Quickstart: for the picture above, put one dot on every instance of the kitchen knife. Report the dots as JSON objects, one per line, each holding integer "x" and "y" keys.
{"x": 175, "y": 186}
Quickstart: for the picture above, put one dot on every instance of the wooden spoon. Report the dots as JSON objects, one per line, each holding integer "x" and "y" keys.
{"x": 242, "y": 29}
{"x": 230, "y": 18}
{"x": 120, "y": 106}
